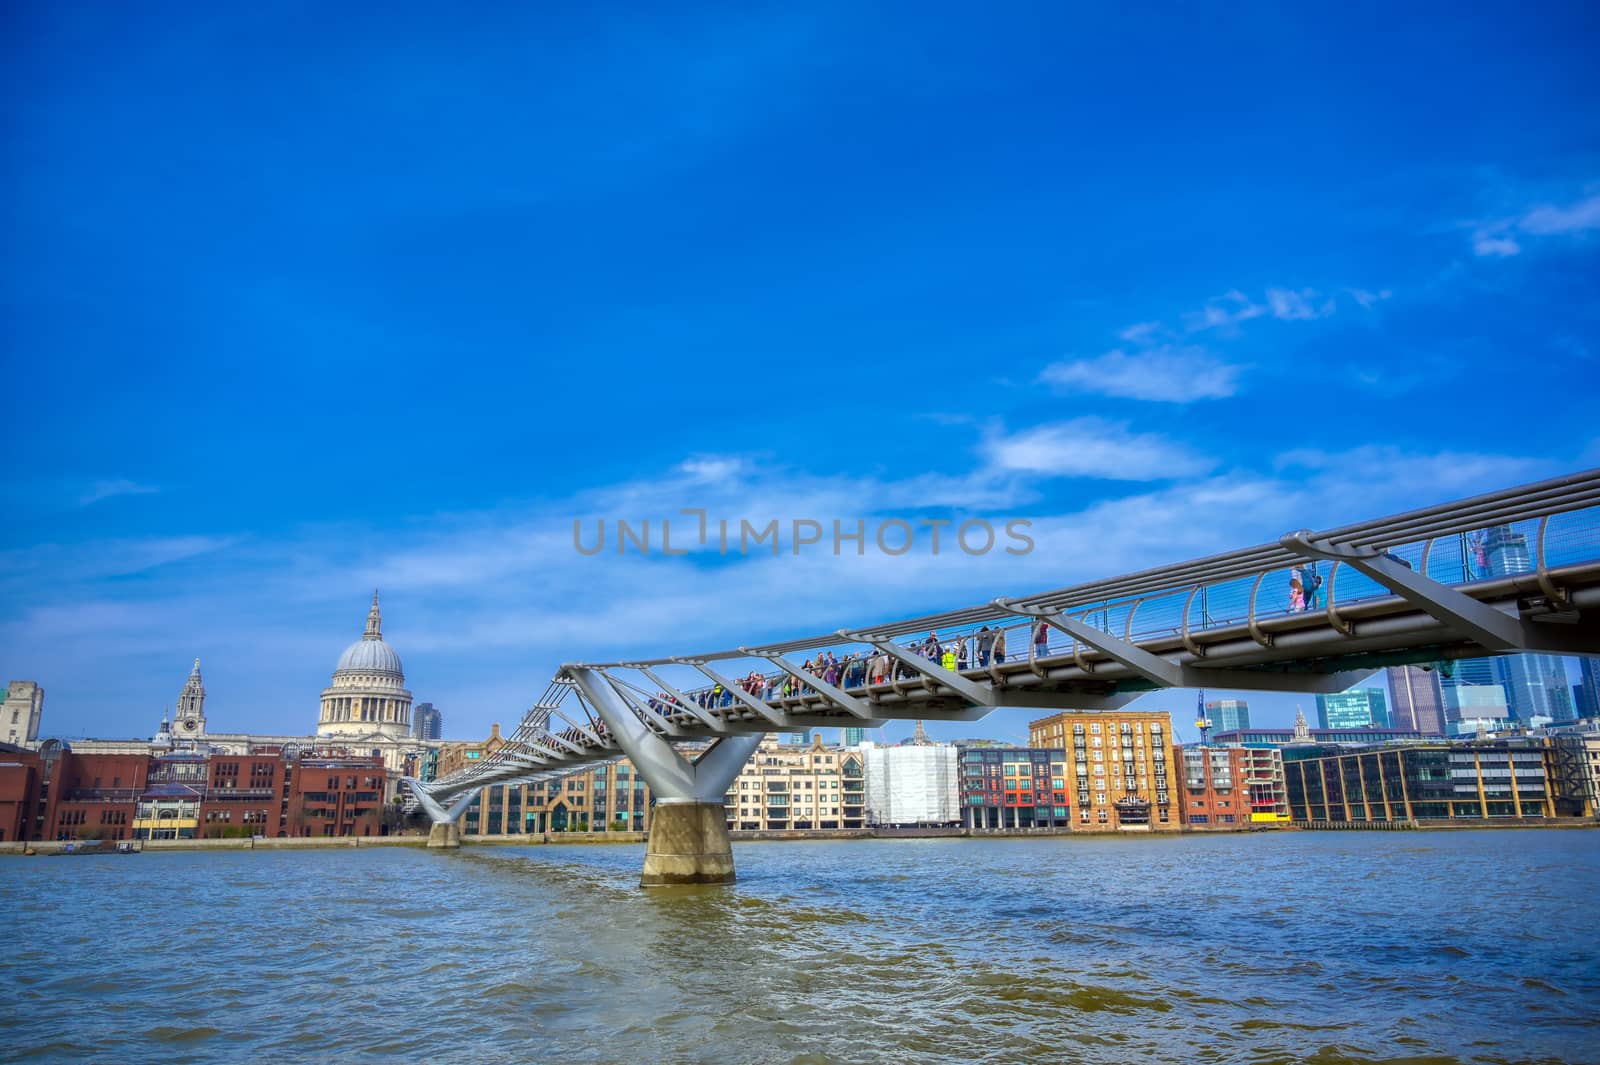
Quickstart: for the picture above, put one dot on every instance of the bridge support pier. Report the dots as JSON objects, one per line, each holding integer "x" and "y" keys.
{"x": 444, "y": 835}
{"x": 688, "y": 845}
{"x": 688, "y": 828}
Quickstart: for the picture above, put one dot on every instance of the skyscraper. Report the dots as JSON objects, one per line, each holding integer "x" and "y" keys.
{"x": 1354, "y": 708}
{"x": 1527, "y": 678}
{"x": 1587, "y": 694}
{"x": 1228, "y": 715}
{"x": 1475, "y": 673}
{"x": 426, "y": 722}
{"x": 854, "y": 736}
{"x": 1418, "y": 699}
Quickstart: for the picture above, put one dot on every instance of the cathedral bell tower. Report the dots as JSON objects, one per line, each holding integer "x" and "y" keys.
{"x": 190, "y": 720}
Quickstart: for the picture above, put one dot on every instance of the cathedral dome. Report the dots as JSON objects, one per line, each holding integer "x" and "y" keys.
{"x": 370, "y": 654}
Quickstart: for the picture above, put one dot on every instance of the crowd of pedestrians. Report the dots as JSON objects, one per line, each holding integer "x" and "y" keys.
{"x": 859, "y": 669}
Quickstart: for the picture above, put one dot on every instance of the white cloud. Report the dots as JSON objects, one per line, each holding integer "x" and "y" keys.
{"x": 1498, "y": 239}
{"x": 1369, "y": 299}
{"x": 110, "y": 489}
{"x": 1496, "y": 245}
{"x": 1093, "y": 447}
{"x": 712, "y": 467}
{"x": 1302, "y": 306}
{"x": 1230, "y": 308}
{"x": 1444, "y": 474}
{"x": 1547, "y": 220}
{"x": 1283, "y": 304}
{"x": 1165, "y": 374}
{"x": 1139, "y": 332}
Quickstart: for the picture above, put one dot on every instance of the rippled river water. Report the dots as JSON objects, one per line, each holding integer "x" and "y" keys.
{"x": 1405, "y": 946}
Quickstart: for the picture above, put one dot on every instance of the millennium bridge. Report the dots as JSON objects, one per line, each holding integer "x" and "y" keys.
{"x": 1511, "y": 571}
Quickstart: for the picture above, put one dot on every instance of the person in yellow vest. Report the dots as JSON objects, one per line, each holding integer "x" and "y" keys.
{"x": 948, "y": 660}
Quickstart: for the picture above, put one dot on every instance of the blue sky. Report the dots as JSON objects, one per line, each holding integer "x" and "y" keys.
{"x": 297, "y": 303}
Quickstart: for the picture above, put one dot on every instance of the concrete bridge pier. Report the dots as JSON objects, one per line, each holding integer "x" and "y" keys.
{"x": 445, "y": 833}
{"x": 688, "y": 830}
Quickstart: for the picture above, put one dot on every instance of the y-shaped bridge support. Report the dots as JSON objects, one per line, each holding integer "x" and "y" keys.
{"x": 689, "y": 827}
{"x": 445, "y": 832}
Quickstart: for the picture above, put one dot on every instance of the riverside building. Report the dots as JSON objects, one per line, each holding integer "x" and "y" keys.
{"x": 57, "y": 793}
{"x": 915, "y": 783}
{"x": 1120, "y": 764}
{"x": 1490, "y": 780}
{"x": 1014, "y": 787}
{"x": 1233, "y": 787}
{"x": 786, "y": 787}
{"x": 783, "y": 787}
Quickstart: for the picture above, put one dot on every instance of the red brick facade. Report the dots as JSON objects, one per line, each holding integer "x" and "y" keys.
{"x": 60, "y": 795}
{"x": 336, "y": 797}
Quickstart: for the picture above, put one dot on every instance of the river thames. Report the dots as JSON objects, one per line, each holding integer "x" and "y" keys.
{"x": 1336, "y": 947}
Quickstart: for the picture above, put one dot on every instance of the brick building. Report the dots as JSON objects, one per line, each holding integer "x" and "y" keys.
{"x": 19, "y": 790}
{"x": 1232, "y": 787}
{"x": 1015, "y": 787}
{"x": 58, "y": 794}
{"x": 1119, "y": 764}
{"x": 334, "y": 795}
{"x": 244, "y": 796}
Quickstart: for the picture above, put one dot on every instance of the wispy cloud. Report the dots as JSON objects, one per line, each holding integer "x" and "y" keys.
{"x": 1549, "y": 220}
{"x": 712, "y": 468}
{"x": 1489, "y": 244}
{"x": 1499, "y": 238}
{"x": 1446, "y": 472}
{"x": 1093, "y": 447}
{"x": 65, "y": 563}
{"x": 1230, "y": 308}
{"x": 1280, "y": 304}
{"x": 110, "y": 489}
{"x": 1369, "y": 299}
{"x": 1288, "y": 305}
{"x": 1166, "y": 374}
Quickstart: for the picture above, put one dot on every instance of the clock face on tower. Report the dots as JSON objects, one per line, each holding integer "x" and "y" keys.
{"x": 190, "y": 725}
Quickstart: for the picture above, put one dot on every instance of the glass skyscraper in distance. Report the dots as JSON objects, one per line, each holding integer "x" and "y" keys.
{"x": 1355, "y": 708}
{"x": 1417, "y": 698}
{"x": 1587, "y": 697}
{"x": 1228, "y": 715}
{"x": 426, "y": 722}
{"x": 1528, "y": 679}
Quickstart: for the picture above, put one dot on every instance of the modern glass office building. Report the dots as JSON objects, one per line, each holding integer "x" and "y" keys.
{"x": 1356, "y": 708}
{"x": 1420, "y": 782}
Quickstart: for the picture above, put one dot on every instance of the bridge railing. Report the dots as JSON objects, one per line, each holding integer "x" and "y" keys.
{"x": 1538, "y": 530}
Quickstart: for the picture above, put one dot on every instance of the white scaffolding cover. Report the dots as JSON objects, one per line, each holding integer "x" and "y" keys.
{"x": 911, "y": 785}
